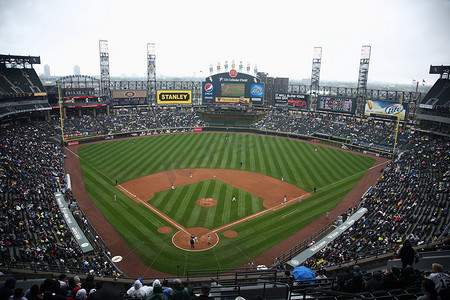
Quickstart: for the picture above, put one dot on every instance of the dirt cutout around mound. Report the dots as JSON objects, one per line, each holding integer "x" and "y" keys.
{"x": 206, "y": 202}
{"x": 230, "y": 233}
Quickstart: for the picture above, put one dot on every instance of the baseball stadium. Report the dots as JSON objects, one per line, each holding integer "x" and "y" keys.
{"x": 240, "y": 184}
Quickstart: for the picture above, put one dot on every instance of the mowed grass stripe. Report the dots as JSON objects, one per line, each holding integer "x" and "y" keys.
{"x": 318, "y": 164}
{"x": 306, "y": 167}
{"x": 300, "y": 177}
{"x": 254, "y": 155}
{"x": 284, "y": 157}
{"x": 336, "y": 161}
{"x": 277, "y": 164}
{"x": 186, "y": 150}
{"x": 215, "y": 151}
{"x": 264, "y": 165}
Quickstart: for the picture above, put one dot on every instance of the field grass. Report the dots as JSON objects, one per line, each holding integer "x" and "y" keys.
{"x": 193, "y": 215}
{"x": 332, "y": 171}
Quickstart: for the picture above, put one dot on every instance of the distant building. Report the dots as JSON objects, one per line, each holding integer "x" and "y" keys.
{"x": 76, "y": 70}
{"x": 46, "y": 71}
{"x": 272, "y": 85}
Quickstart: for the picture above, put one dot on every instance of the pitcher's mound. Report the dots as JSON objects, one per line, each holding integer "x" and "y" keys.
{"x": 206, "y": 202}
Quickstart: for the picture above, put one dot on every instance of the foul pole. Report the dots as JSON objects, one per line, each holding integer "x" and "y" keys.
{"x": 61, "y": 115}
{"x": 396, "y": 127}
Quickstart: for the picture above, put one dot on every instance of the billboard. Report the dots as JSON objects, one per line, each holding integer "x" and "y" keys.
{"x": 129, "y": 97}
{"x": 385, "y": 108}
{"x": 164, "y": 97}
{"x": 232, "y": 87}
{"x": 338, "y": 104}
{"x": 292, "y": 100}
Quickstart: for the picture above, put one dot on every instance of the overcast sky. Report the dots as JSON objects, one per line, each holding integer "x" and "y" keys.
{"x": 405, "y": 36}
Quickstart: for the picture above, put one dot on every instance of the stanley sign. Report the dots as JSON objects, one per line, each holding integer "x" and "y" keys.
{"x": 174, "y": 97}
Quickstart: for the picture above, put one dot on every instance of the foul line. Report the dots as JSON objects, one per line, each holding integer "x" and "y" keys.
{"x": 152, "y": 208}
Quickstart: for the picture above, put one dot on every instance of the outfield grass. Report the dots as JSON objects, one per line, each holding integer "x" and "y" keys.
{"x": 332, "y": 171}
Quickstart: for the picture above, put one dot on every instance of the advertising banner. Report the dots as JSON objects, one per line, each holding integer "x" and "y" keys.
{"x": 174, "y": 97}
{"x": 208, "y": 91}
{"x": 232, "y": 100}
{"x": 385, "y": 108}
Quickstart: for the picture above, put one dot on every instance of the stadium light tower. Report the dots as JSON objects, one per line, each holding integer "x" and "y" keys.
{"x": 315, "y": 73}
{"x": 104, "y": 68}
{"x": 362, "y": 78}
{"x": 151, "y": 71}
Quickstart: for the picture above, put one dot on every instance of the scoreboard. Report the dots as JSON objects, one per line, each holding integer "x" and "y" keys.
{"x": 232, "y": 88}
{"x": 300, "y": 101}
{"x": 129, "y": 97}
{"x": 338, "y": 104}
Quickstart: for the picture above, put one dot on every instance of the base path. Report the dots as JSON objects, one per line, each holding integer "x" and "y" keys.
{"x": 272, "y": 190}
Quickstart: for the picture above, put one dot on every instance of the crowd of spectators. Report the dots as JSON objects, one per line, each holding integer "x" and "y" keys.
{"x": 409, "y": 201}
{"x": 73, "y": 288}
{"x": 370, "y": 133}
{"x": 34, "y": 233}
{"x": 123, "y": 121}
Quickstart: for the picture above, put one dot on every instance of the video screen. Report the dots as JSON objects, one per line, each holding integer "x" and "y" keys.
{"x": 232, "y": 89}
{"x": 336, "y": 104}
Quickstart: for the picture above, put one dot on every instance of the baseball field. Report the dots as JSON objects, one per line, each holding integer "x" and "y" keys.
{"x": 170, "y": 187}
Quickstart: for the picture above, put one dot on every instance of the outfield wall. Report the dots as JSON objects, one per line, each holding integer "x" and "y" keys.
{"x": 328, "y": 141}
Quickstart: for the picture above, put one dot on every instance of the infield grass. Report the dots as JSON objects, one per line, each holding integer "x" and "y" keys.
{"x": 332, "y": 171}
{"x": 169, "y": 202}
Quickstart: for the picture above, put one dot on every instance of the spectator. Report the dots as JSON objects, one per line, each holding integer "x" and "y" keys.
{"x": 8, "y": 288}
{"x": 179, "y": 291}
{"x": 33, "y": 294}
{"x": 357, "y": 271}
{"x": 407, "y": 254}
{"x": 389, "y": 280}
{"x": 321, "y": 274}
{"x": 441, "y": 280}
{"x": 63, "y": 281}
{"x": 204, "y": 292}
{"x": 106, "y": 292}
{"x": 18, "y": 294}
{"x": 429, "y": 290}
{"x": 138, "y": 290}
{"x": 73, "y": 294}
{"x": 88, "y": 284}
{"x": 375, "y": 283}
{"x": 81, "y": 294}
{"x": 157, "y": 293}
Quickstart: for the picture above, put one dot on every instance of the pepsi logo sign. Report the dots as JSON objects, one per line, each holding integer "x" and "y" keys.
{"x": 209, "y": 87}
